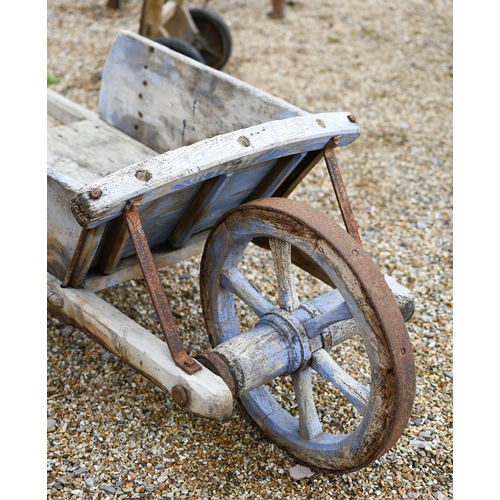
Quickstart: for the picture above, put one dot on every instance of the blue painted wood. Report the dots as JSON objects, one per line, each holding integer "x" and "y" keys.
{"x": 234, "y": 281}
{"x": 316, "y": 325}
{"x": 356, "y": 393}
{"x": 327, "y": 244}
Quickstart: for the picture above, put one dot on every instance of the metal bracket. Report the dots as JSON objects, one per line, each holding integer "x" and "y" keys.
{"x": 156, "y": 291}
{"x": 339, "y": 188}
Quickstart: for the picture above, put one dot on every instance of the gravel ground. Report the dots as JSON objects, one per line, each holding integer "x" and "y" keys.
{"x": 111, "y": 433}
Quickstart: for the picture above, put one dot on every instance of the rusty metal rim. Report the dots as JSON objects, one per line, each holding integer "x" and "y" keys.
{"x": 373, "y": 285}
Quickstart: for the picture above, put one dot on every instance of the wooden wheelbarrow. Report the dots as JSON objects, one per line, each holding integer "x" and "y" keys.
{"x": 184, "y": 159}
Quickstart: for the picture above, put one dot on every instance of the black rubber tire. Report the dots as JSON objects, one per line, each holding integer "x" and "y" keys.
{"x": 181, "y": 46}
{"x": 217, "y": 39}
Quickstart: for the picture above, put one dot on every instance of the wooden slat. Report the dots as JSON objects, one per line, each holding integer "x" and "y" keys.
{"x": 115, "y": 244}
{"x": 129, "y": 268}
{"x": 86, "y": 256}
{"x": 199, "y": 206}
{"x": 299, "y": 173}
{"x": 276, "y": 176}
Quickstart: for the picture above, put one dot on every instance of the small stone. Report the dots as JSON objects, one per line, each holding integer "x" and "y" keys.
{"x": 416, "y": 443}
{"x": 160, "y": 466}
{"x": 449, "y": 374}
{"x": 439, "y": 496}
{"x": 80, "y": 470}
{"x": 105, "y": 356}
{"x": 90, "y": 481}
{"x": 429, "y": 335}
{"x": 108, "y": 489}
{"x": 421, "y": 225}
{"x": 414, "y": 495}
{"x": 51, "y": 423}
{"x": 299, "y": 472}
{"x": 66, "y": 331}
{"x": 161, "y": 479}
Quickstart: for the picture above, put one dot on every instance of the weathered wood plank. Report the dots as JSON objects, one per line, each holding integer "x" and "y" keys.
{"x": 86, "y": 256}
{"x": 65, "y": 110}
{"x": 86, "y": 152}
{"x": 208, "y": 395}
{"x": 62, "y": 229}
{"x": 173, "y": 170}
{"x": 275, "y": 177}
{"x": 167, "y": 101}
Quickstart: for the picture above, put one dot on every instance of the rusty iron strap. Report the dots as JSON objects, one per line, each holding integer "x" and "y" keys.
{"x": 339, "y": 188}
{"x": 152, "y": 278}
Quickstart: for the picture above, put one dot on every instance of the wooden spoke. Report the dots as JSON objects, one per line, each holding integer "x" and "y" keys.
{"x": 280, "y": 343}
{"x": 235, "y": 282}
{"x": 356, "y": 393}
{"x": 316, "y": 325}
{"x": 282, "y": 255}
{"x": 309, "y": 424}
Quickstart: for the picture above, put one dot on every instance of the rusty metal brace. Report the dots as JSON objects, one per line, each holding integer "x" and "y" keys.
{"x": 339, "y": 188}
{"x": 156, "y": 291}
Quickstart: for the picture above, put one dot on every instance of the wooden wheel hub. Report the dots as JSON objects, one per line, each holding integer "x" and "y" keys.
{"x": 293, "y": 338}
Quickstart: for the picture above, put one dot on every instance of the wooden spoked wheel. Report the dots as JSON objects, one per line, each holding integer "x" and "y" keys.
{"x": 384, "y": 404}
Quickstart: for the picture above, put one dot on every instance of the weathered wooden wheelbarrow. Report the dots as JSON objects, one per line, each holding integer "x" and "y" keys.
{"x": 183, "y": 159}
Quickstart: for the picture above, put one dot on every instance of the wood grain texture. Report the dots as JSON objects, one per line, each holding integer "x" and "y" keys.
{"x": 166, "y": 101}
{"x": 208, "y": 395}
{"x": 375, "y": 318}
{"x": 185, "y": 166}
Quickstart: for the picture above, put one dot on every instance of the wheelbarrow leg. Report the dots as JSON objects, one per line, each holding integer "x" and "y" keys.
{"x": 339, "y": 188}
{"x": 152, "y": 278}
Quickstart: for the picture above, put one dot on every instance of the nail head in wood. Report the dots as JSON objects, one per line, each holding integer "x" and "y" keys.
{"x": 95, "y": 193}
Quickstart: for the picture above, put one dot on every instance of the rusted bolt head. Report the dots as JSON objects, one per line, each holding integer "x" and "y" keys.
{"x": 352, "y": 118}
{"x": 95, "y": 193}
{"x": 180, "y": 395}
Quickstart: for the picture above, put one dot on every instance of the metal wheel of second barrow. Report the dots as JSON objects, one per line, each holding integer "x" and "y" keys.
{"x": 296, "y": 340}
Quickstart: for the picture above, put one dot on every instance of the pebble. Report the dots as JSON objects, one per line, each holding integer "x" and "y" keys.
{"x": 299, "y": 472}
{"x": 108, "y": 489}
{"x": 398, "y": 175}
{"x": 416, "y": 443}
{"x": 51, "y": 423}
{"x": 66, "y": 331}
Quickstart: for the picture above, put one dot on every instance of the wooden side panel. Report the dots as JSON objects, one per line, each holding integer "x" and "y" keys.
{"x": 166, "y": 100}
{"x": 62, "y": 229}
{"x": 166, "y": 173}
